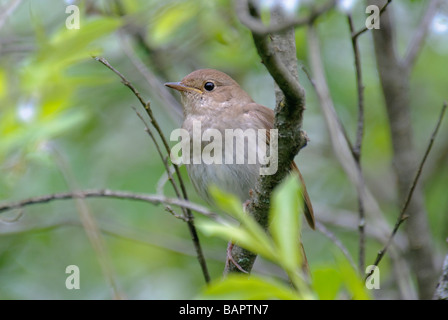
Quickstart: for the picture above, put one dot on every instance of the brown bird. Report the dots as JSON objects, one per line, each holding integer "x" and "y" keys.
{"x": 216, "y": 101}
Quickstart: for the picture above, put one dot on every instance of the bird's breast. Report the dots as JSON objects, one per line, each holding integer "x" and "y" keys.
{"x": 229, "y": 156}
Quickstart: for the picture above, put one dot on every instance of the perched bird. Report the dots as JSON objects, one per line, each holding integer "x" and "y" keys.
{"x": 216, "y": 101}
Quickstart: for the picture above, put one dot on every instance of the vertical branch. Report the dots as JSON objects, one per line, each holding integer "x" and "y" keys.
{"x": 279, "y": 58}
{"x": 357, "y": 147}
{"x": 358, "y": 143}
{"x": 360, "y": 88}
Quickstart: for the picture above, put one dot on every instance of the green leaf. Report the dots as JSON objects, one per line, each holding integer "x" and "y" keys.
{"x": 258, "y": 237}
{"x": 326, "y": 283}
{"x": 352, "y": 281}
{"x": 285, "y": 222}
{"x": 28, "y": 136}
{"x": 239, "y": 235}
{"x": 171, "y": 20}
{"x": 227, "y": 202}
{"x": 236, "y": 286}
{"x": 68, "y": 46}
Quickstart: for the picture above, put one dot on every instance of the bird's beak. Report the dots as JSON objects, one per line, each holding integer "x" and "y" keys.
{"x": 179, "y": 86}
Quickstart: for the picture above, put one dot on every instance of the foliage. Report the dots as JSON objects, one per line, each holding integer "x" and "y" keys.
{"x": 280, "y": 245}
{"x": 61, "y": 111}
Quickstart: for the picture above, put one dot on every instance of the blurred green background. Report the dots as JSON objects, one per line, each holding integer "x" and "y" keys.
{"x": 63, "y": 114}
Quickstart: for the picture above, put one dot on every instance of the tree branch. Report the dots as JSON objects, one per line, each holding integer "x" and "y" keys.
{"x": 293, "y": 91}
{"x": 357, "y": 147}
{"x": 356, "y": 150}
{"x": 165, "y": 96}
{"x": 258, "y": 28}
{"x": 116, "y": 194}
{"x": 402, "y": 216}
{"x": 281, "y": 62}
{"x": 360, "y": 32}
{"x": 347, "y": 221}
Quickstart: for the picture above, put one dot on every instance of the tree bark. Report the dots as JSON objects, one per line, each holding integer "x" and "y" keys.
{"x": 442, "y": 287}
{"x": 278, "y": 53}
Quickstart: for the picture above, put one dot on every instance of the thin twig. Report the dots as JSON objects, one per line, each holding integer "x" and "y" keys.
{"x": 159, "y": 151}
{"x": 173, "y": 213}
{"x": 257, "y": 26}
{"x": 402, "y": 216}
{"x": 360, "y": 87}
{"x": 163, "y": 180}
{"x": 166, "y": 97}
{"x": 346, "y": 220}
{"x": 357, "y": 147}
{"x": 116, "y": 194}
{"x": 308, "y": 75}
{"x": 165, "y": 163}
{"x": 360, "y": 32}
{"x": 188, "y": 215}
{"x": 146, "y": 106}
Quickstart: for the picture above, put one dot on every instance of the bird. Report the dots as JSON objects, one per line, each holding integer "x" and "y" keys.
{"x": 214, "y": 100}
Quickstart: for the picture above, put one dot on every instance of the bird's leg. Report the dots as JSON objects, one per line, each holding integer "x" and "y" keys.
{"x": 230, "y": 258}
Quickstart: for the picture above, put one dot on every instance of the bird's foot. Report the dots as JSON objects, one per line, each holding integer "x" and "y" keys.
{"x": 231, "y": 259}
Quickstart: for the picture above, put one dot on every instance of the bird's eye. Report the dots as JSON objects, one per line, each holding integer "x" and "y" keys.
{"x": 209, "y": 86}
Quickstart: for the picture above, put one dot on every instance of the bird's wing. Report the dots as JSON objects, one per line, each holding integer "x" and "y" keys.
{"x": 266, "y": 118}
